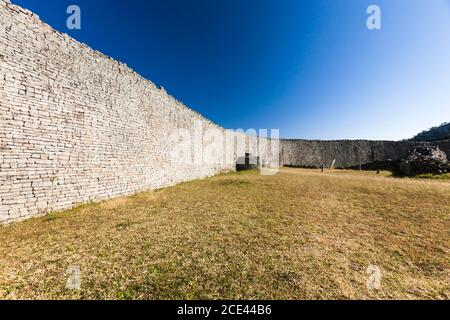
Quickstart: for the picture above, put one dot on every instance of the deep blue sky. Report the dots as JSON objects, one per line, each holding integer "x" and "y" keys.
{"x": 310, "y": 68}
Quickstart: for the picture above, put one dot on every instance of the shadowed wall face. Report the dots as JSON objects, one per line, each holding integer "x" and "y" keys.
{"x": 347, "y": 153}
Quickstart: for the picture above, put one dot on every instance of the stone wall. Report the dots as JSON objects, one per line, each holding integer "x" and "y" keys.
{"x": 347, "y": 153}
{"x": 77, "y": 126}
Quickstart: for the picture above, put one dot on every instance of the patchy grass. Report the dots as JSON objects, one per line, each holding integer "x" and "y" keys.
{"x": 300, "y": 234}
{"x": 444, "y": 176}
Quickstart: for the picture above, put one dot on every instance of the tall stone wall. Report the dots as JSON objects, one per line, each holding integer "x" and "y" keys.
{"x": 77, "y": 126}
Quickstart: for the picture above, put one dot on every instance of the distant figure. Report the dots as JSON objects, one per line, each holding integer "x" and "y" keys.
{"x": 378, "y": 171}
{"x": 323, "y": 167}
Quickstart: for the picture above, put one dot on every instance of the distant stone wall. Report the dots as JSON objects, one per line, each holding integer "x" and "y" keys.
{"x": 77, "y": 126}
{"x": 347, "y": 153}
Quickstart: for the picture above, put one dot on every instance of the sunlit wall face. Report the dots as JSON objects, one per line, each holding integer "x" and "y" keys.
{"x": 311, "y": 68}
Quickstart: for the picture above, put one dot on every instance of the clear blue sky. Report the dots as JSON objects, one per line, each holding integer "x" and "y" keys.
{"x": 310, "y": 68}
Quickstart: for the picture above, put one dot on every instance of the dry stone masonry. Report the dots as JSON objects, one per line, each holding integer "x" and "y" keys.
{"x": 425, "y": 159}
{"x": 77, "y": 126}
{"x": 344, "y": 153}
{"x": 349, "y": 153}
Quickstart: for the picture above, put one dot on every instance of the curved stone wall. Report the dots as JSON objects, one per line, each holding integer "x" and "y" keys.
{"x": 346, "y": 153}
{"x": 77, "y": 126}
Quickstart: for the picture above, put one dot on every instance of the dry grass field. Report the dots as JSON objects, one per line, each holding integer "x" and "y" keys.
{"x": 300, "y": 234}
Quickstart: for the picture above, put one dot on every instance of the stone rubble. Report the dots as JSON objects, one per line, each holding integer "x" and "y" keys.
{"x": 425, "y": 159}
